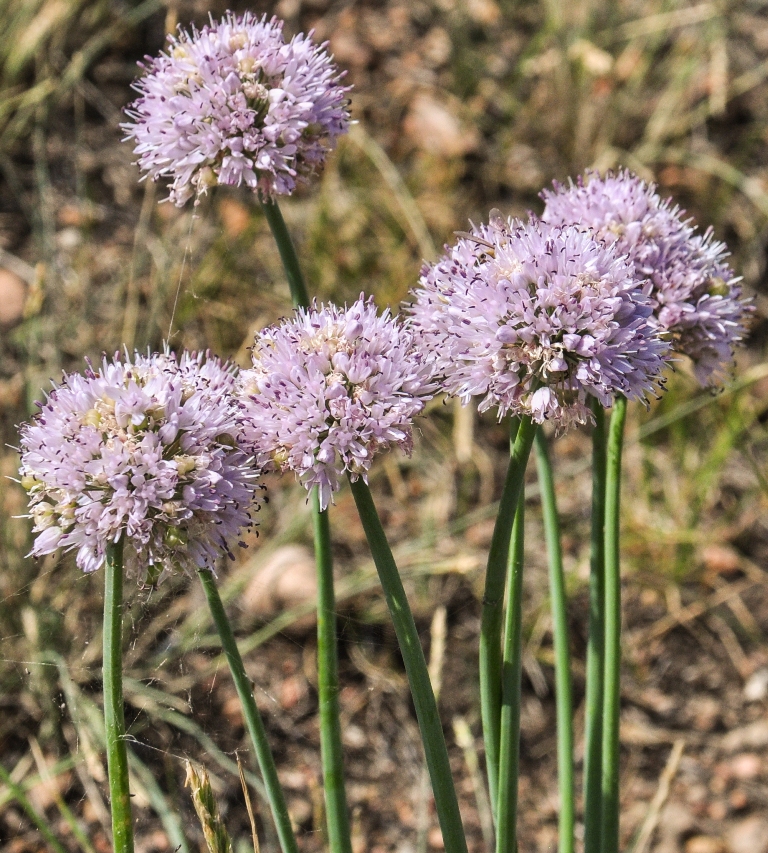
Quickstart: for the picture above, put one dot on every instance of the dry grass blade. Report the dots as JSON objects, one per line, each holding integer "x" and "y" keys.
{"x": 413, "y": 221}
{"x": 215, "y": 833}
{"x": 248, "y": 805}
{"x": 31, "y": 25}
{"x": 32, "y": 813}
{"x": 464, "y": 739}
{"x": 753, "y": 375}
{"x": 79, "y": 741}
{"x": 154, "y": 703}
{"x": 676, "y": 90}
{"x": 18, "y": 776}
{"x": 50, "y": 782}
{"x": 437, "y": 634}
{"x": 663, "y": 21}
{"x": 144, "y": 782}
{"x": 56, "y": 20}
{"x": 654, "y": 810}
{"x": 691, "y": 612}
{"x": 88, "y": 720}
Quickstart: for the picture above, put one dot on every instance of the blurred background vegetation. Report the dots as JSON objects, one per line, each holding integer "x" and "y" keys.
{"x": 462, "y": 105}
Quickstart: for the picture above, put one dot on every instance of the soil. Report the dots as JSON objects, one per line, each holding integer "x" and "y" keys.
{"x": 694, "y": 727}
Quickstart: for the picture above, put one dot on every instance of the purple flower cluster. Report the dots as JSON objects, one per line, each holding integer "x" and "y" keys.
{"x": 535, "y": 319}
{"x": 146, "y": 449}
{"x": 695, "y": 296}
{"x": 235, "y": 104}
{"x": 331, "y": 387}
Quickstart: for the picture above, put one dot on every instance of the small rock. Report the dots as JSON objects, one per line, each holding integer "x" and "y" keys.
{"x": 292, "y": 691}
{"x": 749, "y": 835}
{"x": 300, "y": 811}
{"x": 293, "y": 780}
{"x": 44, "y": 793}
{"x": 720, "y": 559}
{"x": 437, "y": 46}
{"x": 592, "y": 59}
{"x": 234, "y": 217}
{"x": 348, "y": 49}
{"x": 287, "y": 579}
{"x": 485, "y": 12}
{"x": 232, "y": 711}
{"x": 747, "y": 765}
{"x": 434, "y": 128}
{"x": 435, "y": 838}
{"x": 674, "y": 822}
{"x": 717, "y": 811}
{"x": 756, "y": 687}
{"x": 752, "y": 736}
{"x": 157, "y": 840}
{"x": 13, "y": 294}
{"x": 706, "y": 713}
{"x": 738, "y": 799}
{"x": 705, "y": 844}
{"x": 354, "y": 737}
{"x": 68, "y": 239}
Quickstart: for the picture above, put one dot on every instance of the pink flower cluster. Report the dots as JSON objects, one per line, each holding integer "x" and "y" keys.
{"x": 534, "y": 319}
{"x": 695, "y": 296}
{"x": 147, "y": 449}
{"x": 234, "y": 103}
{"x": 331, "y": 387}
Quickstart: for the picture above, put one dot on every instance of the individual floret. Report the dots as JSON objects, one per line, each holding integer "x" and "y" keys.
{"x": 146, "y": 449}
{"x": 330, "y": 388}
{"x": 235, "y": 104}
{"x": 535, "y": 320}
{"x": 695, "y": 295}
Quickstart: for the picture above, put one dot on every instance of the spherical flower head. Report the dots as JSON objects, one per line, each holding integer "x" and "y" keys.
{"x": 535, "y": 320}
{"x": 235, "y": 104}
{"x": 146, "y": 449}
{"x": 330, "y": 388}
{"x": 695, "y": 296}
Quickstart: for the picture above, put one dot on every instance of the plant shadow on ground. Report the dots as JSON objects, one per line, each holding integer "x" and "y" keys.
{"x": 462, "y": 107}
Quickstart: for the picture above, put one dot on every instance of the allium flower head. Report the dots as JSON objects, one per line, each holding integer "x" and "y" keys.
{"x": 235, "y": 104}
{"x": 695, "y": 296}
{"x": 331, "y": 387}
{"x": 147, "y": 449}
{"x": 534, "y": 319}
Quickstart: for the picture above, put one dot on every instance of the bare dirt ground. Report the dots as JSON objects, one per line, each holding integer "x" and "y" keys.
{"x": 462, "y": 107}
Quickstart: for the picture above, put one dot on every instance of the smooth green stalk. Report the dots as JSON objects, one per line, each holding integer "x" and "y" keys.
{"x": 593, "y": 735}
{"x": 512, "y": 667}
{"x": 299, "y": 294}
{"x": 563, "y": 693}
{"x": 251, "y": 713}
{"x": 435, "y": 751}
{"x": 493, "y": 602}
{"x": 339, "y": 837}
{"x": 612, "y": 653}
{"x": 114, "y": 720}
{"x": 337, "y": 815}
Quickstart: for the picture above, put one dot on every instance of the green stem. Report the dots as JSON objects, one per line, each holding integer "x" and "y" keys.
{"x": 299, "y": 294}
{"x": 339, "y": 836}
{"x": 436, "y": 753}
{"x": 493, "y": 602}
{"x": 612, "y": 654}
{"x": 509, "y": 739}
{"x": 593, "y": 795}
{"x": 251, "y": 713}
{"x": 563, "y": 695}
{"x": 337, "y": 815}
{"x": 114, "y": 720}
